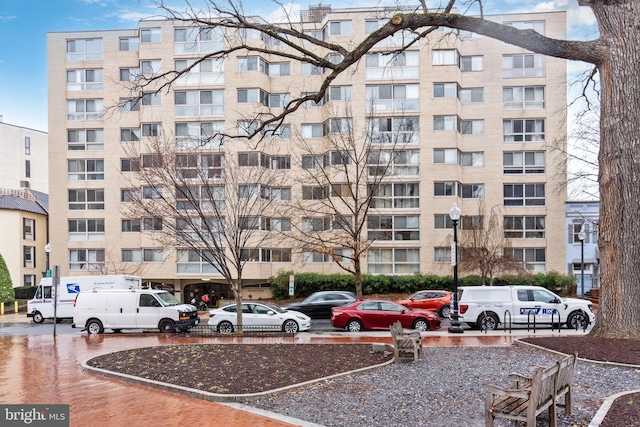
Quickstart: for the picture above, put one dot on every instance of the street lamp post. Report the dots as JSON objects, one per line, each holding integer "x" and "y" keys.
{"x": 581, "y": 236}
{"x": 47, "y": 250}
{"x": 454, "y": 214}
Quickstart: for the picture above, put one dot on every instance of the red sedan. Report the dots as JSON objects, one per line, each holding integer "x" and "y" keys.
{"x": 379, "y": 314}
{"x": 430, "y": 300}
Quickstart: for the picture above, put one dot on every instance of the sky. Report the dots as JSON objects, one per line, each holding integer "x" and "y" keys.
{"x": 24, "y": 25}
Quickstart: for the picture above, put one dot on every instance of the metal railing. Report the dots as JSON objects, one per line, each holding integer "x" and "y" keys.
{"x": 244, "y": 331}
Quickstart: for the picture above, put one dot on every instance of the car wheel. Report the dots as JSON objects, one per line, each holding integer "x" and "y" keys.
{"x": 38, "y": 317}
{"x": 445, "y": 311}
{"x": 488, "y": 322}
{"x": 354, "y": 325}
{"x": 577, "y": 320}
{"x": 225, "y": 327}
{"x": 290, "y": 326}
{"x": 166, "y": 326}
{"x": 421, "y": 325}
{"x": 94, "y": 327}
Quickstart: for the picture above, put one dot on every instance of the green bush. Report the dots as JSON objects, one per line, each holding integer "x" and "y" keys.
{"x": 7, "y": 294}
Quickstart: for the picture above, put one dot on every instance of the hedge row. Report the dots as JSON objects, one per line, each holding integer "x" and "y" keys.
{"x": 25, "y": 292}
{"x": 308, "y": 283}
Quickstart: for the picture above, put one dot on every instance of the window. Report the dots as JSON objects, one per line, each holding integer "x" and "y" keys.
{"x": 393, "y": 261}
{"x": 533, "y": 258}
{"x": 523, "y": 162}
{"x": 29, "y": 280}
{"x": 453, "y": 156}
{"x": 471, "y": 63}
{"x": 393, "y": 98}
{"x": 445, "y": 57}
{"x": 311, "y": 103}
{"x": 27, "y": 145}
{"x": 393, "y": 130}
{"x": 280, "y": 162}
{"x": 523, "y": 97}
{"x": 340, "y": 158}
{"x": 205, "y": 72}
{"x": 310, "y": 161}
{"x": 316, "y": 224}
{"x": 196, "y": 39}
{"x": 338, "y": 93}
{"x": 152, "y": 255}
{"x": 85, "y": 139}
{"x": 449, "y": 188}
{"x": 151, "y": 192}
{"x": 337, "y": 125}
{"x": 150, "y": 35}
{"x": 249, "y": 191}
{"x": 393, "y": 227}
{"x": 523, "y": 65}
{"x": 275, "y": 255}
{"x": 196, "y": 103}
{"x": 29, "y": 257}
{"x": 86, "y": 199}
{"x": 151, "y": 160}
{"x": 131, "y": 225}
{"x": 129, "y": 194}
{"x": 393, "y": 162}
{"x": 249, "y": 223}
{"x": 471, "y": 127}
{"x": 341, "y": 190}
{"x": 253, "y": 96}
{"x": 453, "y": 188}
{"x": 338, "y": 28}
{"x": 253, "y": 63}
{"x": 524, "y": 194}
{"x": 279, "y": 69}
{"x": 537, "y": 26}
{"x": 445, "y": 90}
{"x": 149, "y": 67}
{"x": 445, "y": 122}
{"x": 309, "y": 69}
{"x": 85, "y": 109}
{"x": 200, "y": 165}
{"x": 84, "y": 49}
{"x": 130, "y": 135}
{"x": 85, "y": 169}
{"x": 129, "y": 104}
{"x": 198, "y": 135}
{"x": 84, "y": 80}
{"x": 467, "y": 222}
{"x": 275, "y": 193}
{"x": 314, "y": 130}
{"x": 253, "y": 159}
{"x": 528, "y": 227}
{"x": 151, "y": 98}
{"x": 442, "y": 254}
{"x": 472, "y": 191}
{"x": 27, "y": 168}
{"x": 129, "y": 44}
{"x": 86, "y": 229}
{"x": 86, "y": 259}
{"x": 395, "y": 195}
{"x": 468, "y": 95}
{"x": 314, "y": 256}
{"x": 129, "y": 165}
{"x": 204, "y": 197}
{"x": 195, "y": 261}
{"x": 151, "y": 224}
{"x": 527, "y": 130}
{"x": 475, "y": 160}
{"x": 276, "y": 224}
{"x": 279, "y": 100}
{"x": 574, "y": 231}
{"x": 131, "y": 255}
{"x": 28, "y": 229}
{"x": 314, "y": 192}
{"x": 151, "y": 129}
{"x": 403, "y": 65}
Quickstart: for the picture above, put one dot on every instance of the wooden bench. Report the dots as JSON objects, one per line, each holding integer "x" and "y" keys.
{"x": 405, "y": 342}
{"x": 531, "y": 395}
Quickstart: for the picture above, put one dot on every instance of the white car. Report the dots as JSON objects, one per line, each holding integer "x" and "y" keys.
{"x": 259, "y": 316}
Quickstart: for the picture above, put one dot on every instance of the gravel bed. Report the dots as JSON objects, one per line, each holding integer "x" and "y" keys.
{"x": 407, "y": 394}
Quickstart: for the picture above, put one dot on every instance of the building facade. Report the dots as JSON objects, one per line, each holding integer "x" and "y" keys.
{"x": 476, "y": 117}
{"x": 583, "y": 256}
{"x": 23, "y": 215}
{"x": 24, "y": 158}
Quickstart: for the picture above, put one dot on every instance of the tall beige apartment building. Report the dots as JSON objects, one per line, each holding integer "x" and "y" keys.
{"x": 479, "y": 118}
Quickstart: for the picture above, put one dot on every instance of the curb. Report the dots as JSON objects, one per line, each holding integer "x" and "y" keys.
{"x": 604, "y": 408}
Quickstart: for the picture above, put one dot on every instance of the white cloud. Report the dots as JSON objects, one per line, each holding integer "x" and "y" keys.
{"x": 7, "y": 18}
{"x": 286, "y": 12}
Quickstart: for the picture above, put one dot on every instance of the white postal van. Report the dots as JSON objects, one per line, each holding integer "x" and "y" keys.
{"x": 488, "y": 306}
{"x": 41, "y": 306}
{"x": 101, "y": 309}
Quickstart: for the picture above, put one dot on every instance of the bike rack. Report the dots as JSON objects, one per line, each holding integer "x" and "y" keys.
{"x": 553, "y": 313}
{"x": 504, "y": 325}
{"x": 529, "y": 314}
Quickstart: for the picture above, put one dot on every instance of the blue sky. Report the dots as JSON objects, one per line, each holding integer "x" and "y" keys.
{"x": 24, "y": 25}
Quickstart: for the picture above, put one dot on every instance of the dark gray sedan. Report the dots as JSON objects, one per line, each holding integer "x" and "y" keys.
{"x": 319, "y": 304}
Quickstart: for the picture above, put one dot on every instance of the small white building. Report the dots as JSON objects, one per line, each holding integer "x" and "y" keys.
{"x": 583, "y": 257}
{"x": 24, "y": 158}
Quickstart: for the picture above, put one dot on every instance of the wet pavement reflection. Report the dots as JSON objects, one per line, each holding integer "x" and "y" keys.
{"x": 46, "y": 370}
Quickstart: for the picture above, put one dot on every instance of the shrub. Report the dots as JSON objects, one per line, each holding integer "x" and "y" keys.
{"x": 7, "y": 293}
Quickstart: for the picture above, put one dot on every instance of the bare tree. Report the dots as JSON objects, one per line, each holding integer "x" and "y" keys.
{"x": 342, "y": 179}
{"x": 484, "y": 246}
{"x": 212, "y": 206}
{"x": 613, "y": 55}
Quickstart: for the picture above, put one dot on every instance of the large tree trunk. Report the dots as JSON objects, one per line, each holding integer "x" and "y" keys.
{"x": 619, "y": 226}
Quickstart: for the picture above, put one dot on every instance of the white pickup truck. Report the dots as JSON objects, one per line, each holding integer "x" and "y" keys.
{"x": 488, "y": 306}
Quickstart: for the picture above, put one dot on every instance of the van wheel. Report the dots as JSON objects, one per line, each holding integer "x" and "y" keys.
{"x": 488, "y": 322}
{"x": 94, "y": 327}
{"x": 38, "y": 317}
{"x": 166, "y": 326}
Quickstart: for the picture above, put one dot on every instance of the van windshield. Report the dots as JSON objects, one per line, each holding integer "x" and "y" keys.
{"x": 167, "y": 299}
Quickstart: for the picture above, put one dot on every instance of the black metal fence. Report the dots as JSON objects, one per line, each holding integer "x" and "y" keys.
{"x": 244, "y": 331}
